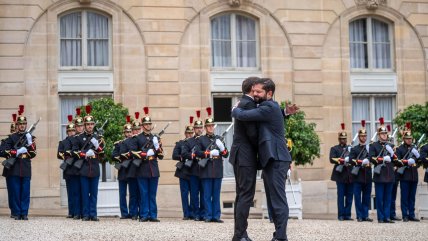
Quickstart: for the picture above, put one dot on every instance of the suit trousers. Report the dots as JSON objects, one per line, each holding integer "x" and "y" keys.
{"x": 148, "y": 189}
{"x": 274, "y": 177}
{"x": 345, "y": 193}
{"x": 212, "y": 190}
{"x": 362, "y": 192}
{"x": 185, "y": 191}
{"x": 20, "y": 200}
{"x": 123, "y": 184}
{"x": 245, "y": 178}
{"x": 89, "y": 189}
{"x": 383, "y": 200}
{"x": 392, "y": 212}
{"x": 408, "y": 198}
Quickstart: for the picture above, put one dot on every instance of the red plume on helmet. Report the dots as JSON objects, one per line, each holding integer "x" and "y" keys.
{"x": 70, "y": 118}
{"x": 209, "y": 111}
{"x": 137, "y": 115}
{"x": 19, "y": 113}
{"x": 146, "y": 110}
{"x": 388, "y": 127}
{"x": 88, "y": 109}
{"x": 408, "y": 125}
{"x": 198, "y": 114}
{"x": 363, "y": 123}
{"x": 14, "y": 117}
{"x": 191, "y": 119}
{"x": 381, "y": 121}
{"x": 342, "y": 125}
{"x": 78, "y": 112}
{"x": 21, "y": 109}
{"x": 128, "y": 119}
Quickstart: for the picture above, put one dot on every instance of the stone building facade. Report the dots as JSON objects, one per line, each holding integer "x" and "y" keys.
{"x": 339, "y": 60}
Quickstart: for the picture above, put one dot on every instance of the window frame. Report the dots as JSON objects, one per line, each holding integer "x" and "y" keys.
{"x": 84, "y": 38}
{"x": 370, "y": 45}
{"x": 233, "y": 40}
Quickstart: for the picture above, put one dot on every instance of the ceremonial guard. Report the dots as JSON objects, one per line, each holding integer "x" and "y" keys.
{"x": 88, "y": 148}
{"x": 188, "y": 153}
{"x": 70, "y": 173}
{"x": 211, "y": 150}
{"x": 149, "y": 151}
{"x": 408, "y": 160}
{"x": 393, "y": 213}
{"x": 20, "y": 146}
{"x": 121, "y": 177}
{"x": 5, "y": 170}
{"x": 424, "y": 160}
{"x": 73, "y": 171}
{"x": 362, "y": 175}
{"x": 183, "y": 173}
{"x": 341, "y": 174}
{"x": 381, "y": 155}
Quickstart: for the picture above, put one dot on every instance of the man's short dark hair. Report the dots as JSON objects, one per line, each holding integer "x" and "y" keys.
{"x": 248, "y": 83}
{"x": 268, "y": 84}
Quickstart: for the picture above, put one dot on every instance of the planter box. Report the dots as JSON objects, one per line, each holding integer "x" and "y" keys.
{"x": 422, "y": 199}
{"x": 294, "y": 205}
{"x": 108, "y": 199}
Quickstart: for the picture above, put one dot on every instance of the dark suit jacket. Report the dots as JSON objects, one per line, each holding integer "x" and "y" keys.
{"x": 244, "y": 146}
{"x": 272, "y": 144}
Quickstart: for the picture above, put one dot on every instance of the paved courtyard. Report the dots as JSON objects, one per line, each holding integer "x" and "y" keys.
{"x": 56, "y": 228}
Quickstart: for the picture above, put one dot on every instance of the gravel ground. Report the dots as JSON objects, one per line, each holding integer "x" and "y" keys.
{"x": 55, "y": 228}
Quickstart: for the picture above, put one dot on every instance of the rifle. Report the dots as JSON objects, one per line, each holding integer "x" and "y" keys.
{"x": 79, "y": 162}
{"x": 100, "y": 130}
{"x": 339, "y": 167}
{"x": 8, "y": 163}
{"x": 373, "y": 137}
{"x": 356, "y": 168}
{"x": 203, "y": 162}
{"x": 188, "y": 163}
{"x": 377, "y": 169}
{"x": 409, "y": 154}
{"x": 149, "y": 145}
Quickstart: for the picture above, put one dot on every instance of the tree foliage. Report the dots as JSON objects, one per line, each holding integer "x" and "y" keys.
{"x": 306, "y": 143}
{"x": 417, "y": 115}
{"x": 105, "y": 109}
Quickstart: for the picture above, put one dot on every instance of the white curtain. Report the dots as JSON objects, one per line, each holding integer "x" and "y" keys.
{"x": 358, "y": 44}
{"x": 361, "y": 111}
{"x": 383, "y": 108}
{"x": 98, "y": 39}
{"x": 71, "y": 39}
{"x": 381, "y": 45}
{"x": 227, "y": 167}
{"x": 221, "y": 41}
{"x": 245, "y": 42}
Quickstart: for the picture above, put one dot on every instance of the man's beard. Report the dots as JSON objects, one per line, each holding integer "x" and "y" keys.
{"x": 259, "y": 100}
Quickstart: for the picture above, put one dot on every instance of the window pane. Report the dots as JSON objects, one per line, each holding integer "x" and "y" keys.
{"x": 381, "y": 45}
{"x": 71, "y": 42}
{"x": 358, "y": 43}
{"x": 68, "y": 107}
{"x": 222, "y": 107}
{"x": 360, "y": 111}
{"x": 383, "y": 108}
{"x": 221, "y": 41}
{"x": 246, "y": 47}
{"x": 98, "y": 39}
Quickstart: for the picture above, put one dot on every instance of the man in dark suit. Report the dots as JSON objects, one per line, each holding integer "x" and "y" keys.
{"x": 274, "y": 156}
{"x": 243, "y": 157}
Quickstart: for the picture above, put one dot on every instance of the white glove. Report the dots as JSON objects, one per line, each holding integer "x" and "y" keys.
{"x": 289, "y": 173}
{"x": 415, "y": 152}
{"x": 95, "y": 143}
{"x": 411, "y": 161}
{"x": 389, "y": 149}
{"x": 368, "y": 148}
{"x": 90, "y": 153}
{"x": 347, "y": 159}
{"x": 150, "y": 152}
{"x": 387, "y": 159}
{"x": 214, "y": 152}
{"x": 156, "y": 143}
{"x": 220, "y": 144}
{"x": 365, "y": 161}
{"x": 349, "y": 148}
{"x": 29, "y": 139}
{"x": 21, "y": 150}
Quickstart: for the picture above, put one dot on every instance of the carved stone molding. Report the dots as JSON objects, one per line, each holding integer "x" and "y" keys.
{"x": 85, "y": 1}
{"x": 371, "y": 4}
{"x": 235, "y": 3}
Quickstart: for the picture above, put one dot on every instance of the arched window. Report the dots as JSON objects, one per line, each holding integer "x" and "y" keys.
{"x": 370, "y": 44}
{"x": 234, "y": 41}
{"x": 84, "y": 39}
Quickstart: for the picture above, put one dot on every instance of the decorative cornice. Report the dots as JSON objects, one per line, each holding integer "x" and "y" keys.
{"x": 371, "y": 4}
{"x": 85, "y": 1}
{"x": 235, "y": 3}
